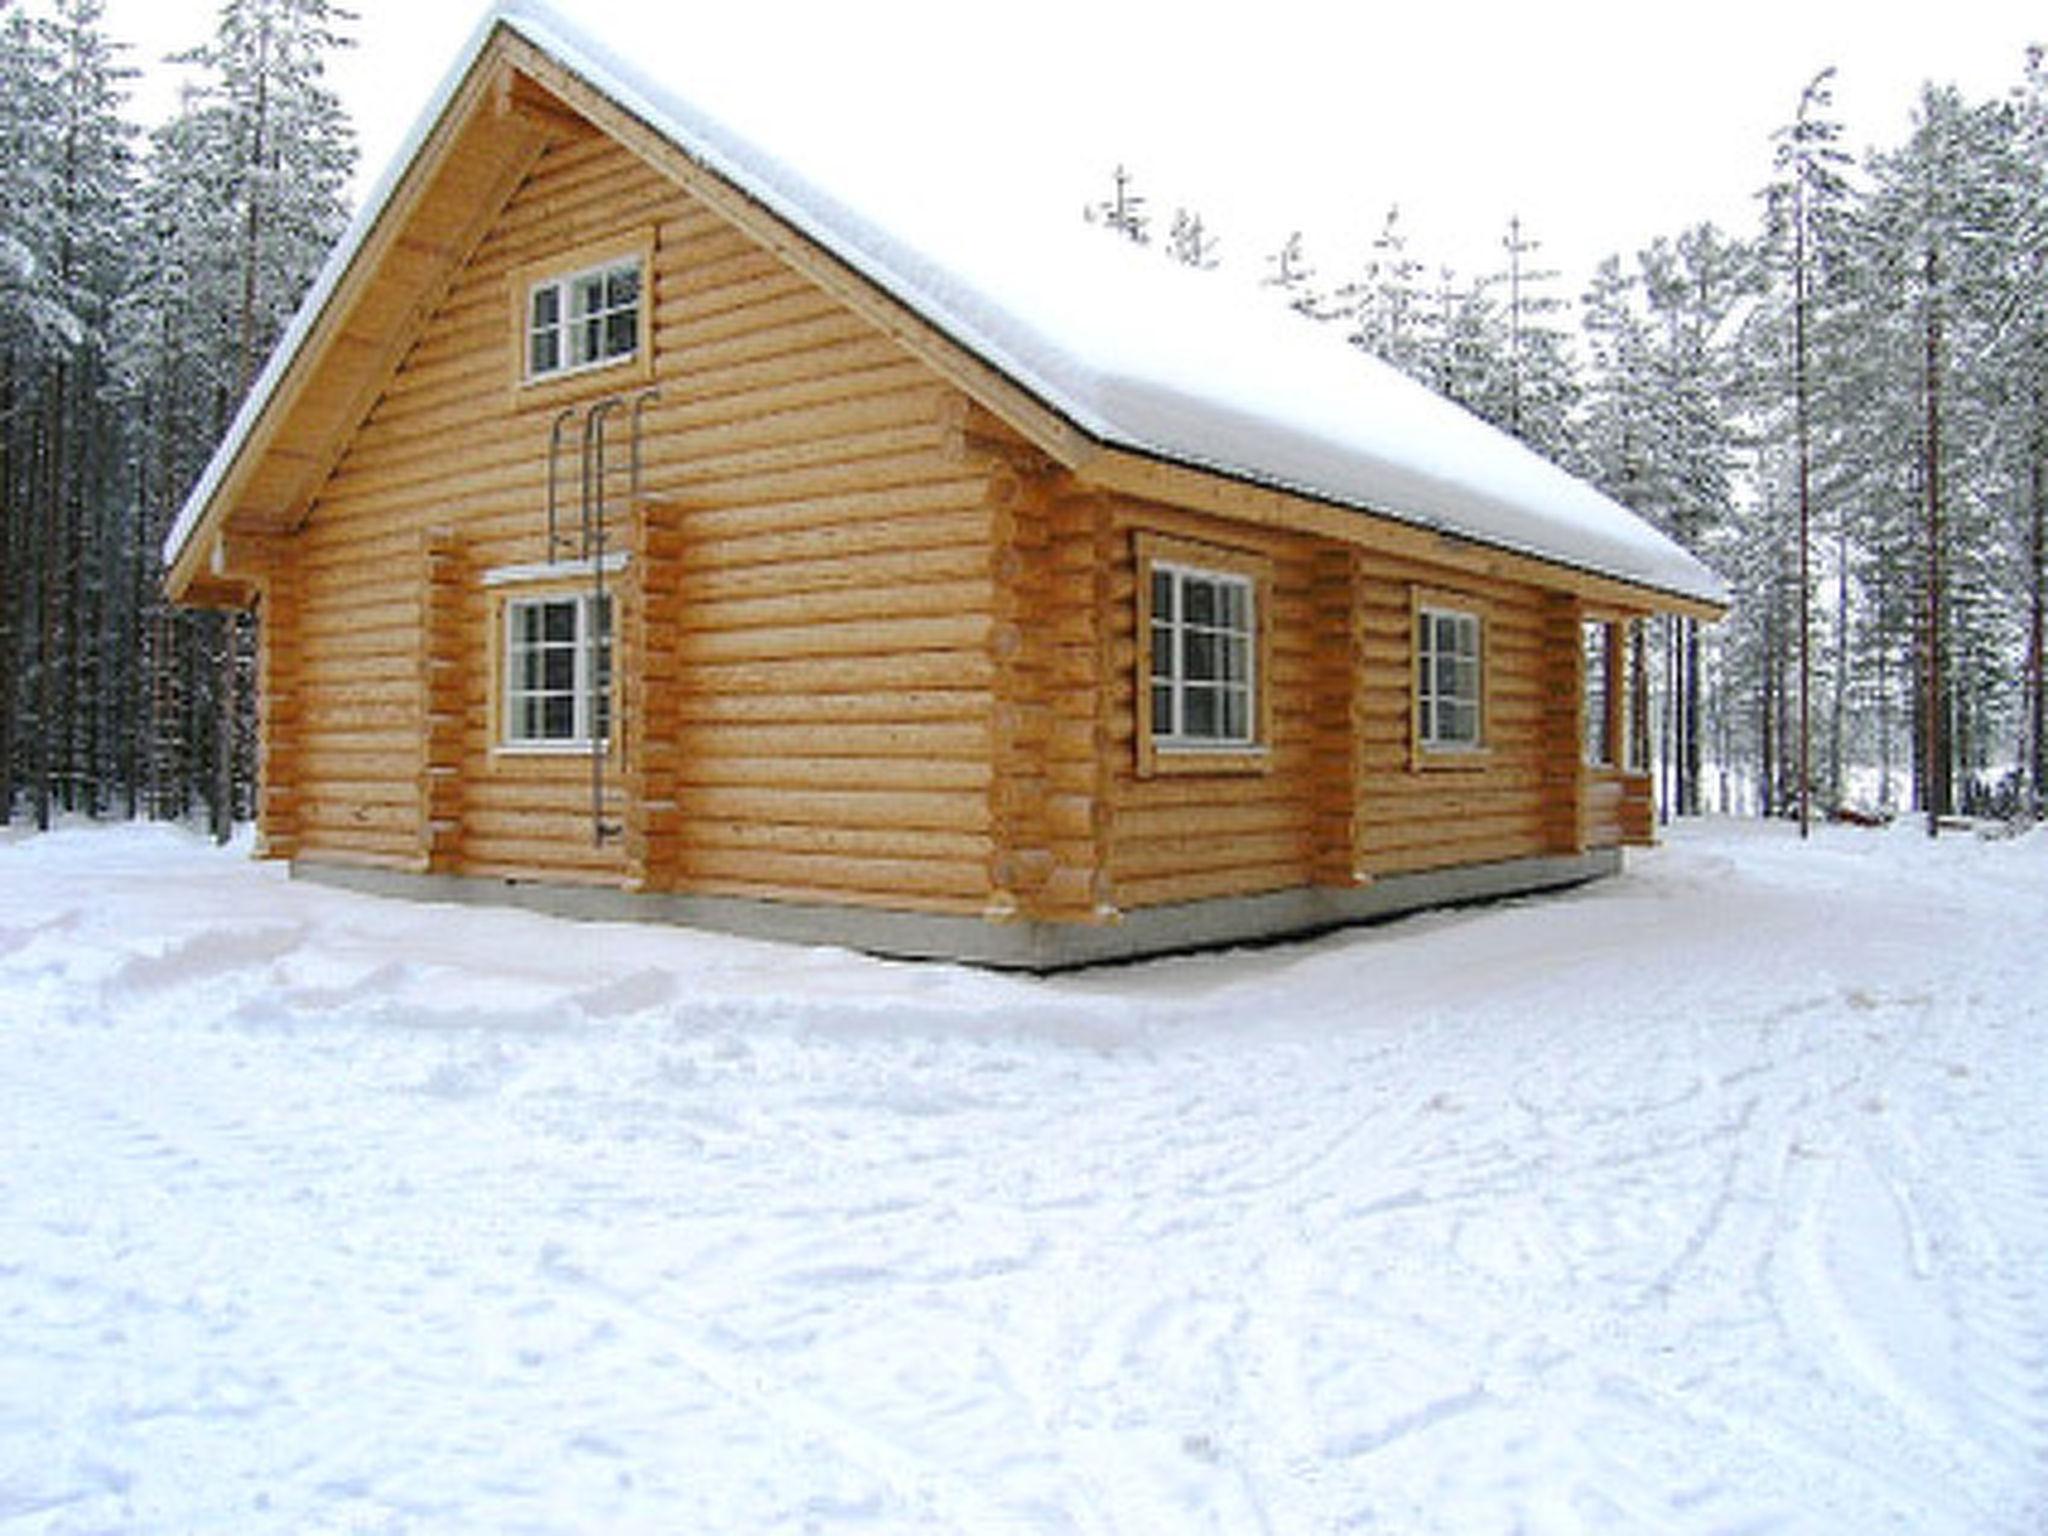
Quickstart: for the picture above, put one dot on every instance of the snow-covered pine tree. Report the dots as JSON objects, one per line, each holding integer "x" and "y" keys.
{"x": 93, "y": 202}
{"x": 1289, "y": 271}
{"x": 1190, "y": 241}
{"x": 1536, "y": 387}
{"x": 35, "y": 327}
{"x": 2028, "y": 361}
{"x": 1123, "y": 211}
{"x": 66, "y": 183}
{"x": 1940, "y": 223}
{"x": 1809, "y": 162}
{"x": 1385, "y": 304}
{"x": 1695, "y": 291}
{"x": 1617, "y": 406}
{"x": 1468, "y": 334}
{"x": 265, "y": 128}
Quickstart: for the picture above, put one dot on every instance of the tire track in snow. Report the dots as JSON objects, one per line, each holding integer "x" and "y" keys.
{"x": 936, "y": 1495}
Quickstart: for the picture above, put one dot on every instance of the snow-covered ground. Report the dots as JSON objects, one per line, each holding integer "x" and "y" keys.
{"x": 1713, "y": 1198}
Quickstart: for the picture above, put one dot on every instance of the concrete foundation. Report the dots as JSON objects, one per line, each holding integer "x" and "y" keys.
{"x": 1006, "y": 945}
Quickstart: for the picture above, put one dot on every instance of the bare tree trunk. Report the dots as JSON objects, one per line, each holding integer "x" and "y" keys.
{"x": 1691, "y": 768}
{"x": 1838, "y": 723}
{"x": 2037, "y": 615}
{"x": 1934, "y": 742}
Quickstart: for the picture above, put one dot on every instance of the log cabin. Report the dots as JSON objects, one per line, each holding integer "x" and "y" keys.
{"x": 639, "y": 529}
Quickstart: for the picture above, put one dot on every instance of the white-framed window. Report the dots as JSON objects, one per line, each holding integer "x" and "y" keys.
{"x": 1449, "y": 680}
{"x": 583, "y": 319}
{"x": 558, "y": 670}
{"x": 1204, "y": 649}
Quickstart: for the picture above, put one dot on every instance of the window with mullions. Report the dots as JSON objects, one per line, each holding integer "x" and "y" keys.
{"x": 558, "y": 670}
{"x": 1447, "y": 680}
{"x": 583, "y": 319}
{"x": 1204, "y": 628}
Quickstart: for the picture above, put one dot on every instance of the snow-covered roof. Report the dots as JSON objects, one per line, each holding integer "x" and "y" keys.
{"x": 1134, "y": 351}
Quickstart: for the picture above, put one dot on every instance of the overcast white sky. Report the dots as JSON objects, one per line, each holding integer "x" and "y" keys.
{"x": 1601, "y": 122}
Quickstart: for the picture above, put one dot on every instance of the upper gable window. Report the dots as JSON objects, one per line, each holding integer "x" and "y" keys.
{"x": 583, "y": 311}
{"x": 583, "y": 319}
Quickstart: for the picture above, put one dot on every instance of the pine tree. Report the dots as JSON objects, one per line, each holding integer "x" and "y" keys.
{"x": 269, "y": 131}
{"x": 1810, "y": 187}
{"x": 1940, "y": 222}
{"x": 68, "y": 184}
{"x": 1385, "y": 304}
{"x": 1123, "y": 211}
{"x": 2027, "y": 360}
{"x": 1190, "y": 242}
{"x": 1289, "y": 271}
{"x": 1537, "y": 387}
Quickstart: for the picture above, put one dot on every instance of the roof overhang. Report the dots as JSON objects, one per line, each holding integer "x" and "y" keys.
{"x": 359, "y": 317}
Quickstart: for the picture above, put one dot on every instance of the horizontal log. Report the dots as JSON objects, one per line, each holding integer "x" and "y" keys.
{"x": 882, "y": 570}
{"x": 836, "y": 773}
{"x": 963, "y": 848}
{"x": 889, "y": 899}
{"x": 1203, "y": 885}
{"x": 824, "y": 875}
{"x": 1169, "y": 824}
{"x": 567, "y": 829}
{"x": 704, "y": 712}
{"x": 895, "y": 533}
{"x": 963, "y": 740}
{"x": 768, "y": 303}
{"x": 1148, "y": 858}
{"x": 916, "y": 810}
{"x": 878, "y": 637}
{"x": 916, "y": 671}
{"x": 356, "y": 846}
{"x": 850, "y": 605}
{"x": 510, "y": 859}
{"x": 1421, "y": 860}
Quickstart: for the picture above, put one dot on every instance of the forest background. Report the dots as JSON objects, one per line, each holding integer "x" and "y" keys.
{"x": 1843, "y": 409}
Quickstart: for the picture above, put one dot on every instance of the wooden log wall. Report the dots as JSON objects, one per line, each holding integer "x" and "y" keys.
{"x": 1338, "y": 717}
{"x": 280, "y": 709}
{"x": 1074, "y": 588}
{"x": 1343, "y": 796}
{"x": 1563, "y": 728}
{"x": 653, "y": 719}
{"x": 1186, "y": 836}
{"x": 813, "y": 618}
{"x": 1021, "y": 643}
{"x": 446, "y": 657}
{"x": 1417, "y": 814}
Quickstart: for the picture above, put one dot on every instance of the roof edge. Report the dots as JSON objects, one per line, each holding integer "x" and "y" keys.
{"x": 202, "y": 510}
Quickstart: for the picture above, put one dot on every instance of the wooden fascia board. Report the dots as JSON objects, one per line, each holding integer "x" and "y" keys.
{"x": 188, "y": 572}
{"x": 1038, "y": 423}
{"x": 377, "y": 377}
{"x": 1140, "y": 475}
{"x": 519, "y": 95}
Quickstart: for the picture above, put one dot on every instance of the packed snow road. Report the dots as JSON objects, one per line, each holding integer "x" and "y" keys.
{"x": 1714, "y": 1198}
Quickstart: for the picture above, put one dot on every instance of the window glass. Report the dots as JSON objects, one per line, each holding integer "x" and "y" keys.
{"x": 584, "y": 319}
{"x": 558, "y": 670}
{"x": 1447, "y": 679}
{"x": 1202, "y": 669}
